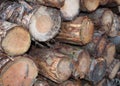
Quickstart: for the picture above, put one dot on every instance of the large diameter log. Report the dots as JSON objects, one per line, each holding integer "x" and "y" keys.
{"x": 81, "y": 59}
{"x": 113, "y": 69}
{"x": 74, "y": 32}
{"x": 43, "y": 22}
{"x": 97, "y": 70}
{"x": 70, "y": 11}
{"x": 15, "y": 39}
{"x": 97, "y": 46}
{"x": 52, "y": 3}
{"x": 89, "y": 5}
{"x": 22, "y": 71}
{"x": 51, "y": 64}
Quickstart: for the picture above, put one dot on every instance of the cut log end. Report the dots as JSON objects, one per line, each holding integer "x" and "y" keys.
{"x": 17, "y": 41}
{"x": 97, "y": 70}
{"x": 90, "y": 5}
{"x": 45, "y": 23}
{"x": 64, "y": 69}
{"x": 70, "y": 11}
{"x": 21, "y": 72}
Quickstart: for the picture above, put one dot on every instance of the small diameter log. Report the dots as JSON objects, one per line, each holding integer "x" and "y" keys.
{"x": 52, "y": 3}
{"x": 97, "y": 46}
{"x": 116, "y": 41}
{"x": 79, "y": 31}
{"x": 71, "y": 83}
{"x": 43, "y": 22}
{"x": 89, "y": 5}
{"x": 22, "y": 71}
{"x": 105, "y": 21}
{"x": 80, "y": 59}
{"x": 41, "y": 83}
{"x": 51, "y": 64}
{"x": 105, "y": 82}
{"x": 97, "y": 70}
{"x": 83, "y": 65}
{"x": 113, "y": 69}
{"x": 103, "y": 2}
{"x": 70, "y": 9}
{"x": 15, "y": 39}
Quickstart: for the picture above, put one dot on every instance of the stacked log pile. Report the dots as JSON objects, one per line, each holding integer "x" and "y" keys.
{"x": 60, "y": 43}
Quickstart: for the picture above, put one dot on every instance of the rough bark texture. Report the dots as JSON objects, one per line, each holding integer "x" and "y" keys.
{"x": 97, "y": 46}
{"x": 106, "y": 21}
{"x": 52, "y": 3}
{"x": 21, "y": 71}
{"x": 74, "y": 32}
{"x": 80, "y": 57}
{"x": 71, "y": 83}
{"x": 34, "y": 18}
{"x": 15, "y": 39}
{"x": 51, "y": 64}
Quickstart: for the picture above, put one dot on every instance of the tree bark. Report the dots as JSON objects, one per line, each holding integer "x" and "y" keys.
{"x": 52, "y": 3}
{"x": 15, "y": 39}
{"x": 51, "y": 64}
{"x": 80, "y": 57}
{"x": 113, "y": 69}
{"x": 43, "y": 22}
{"x": 83, "y": 65}
{"x": 74, "y": 32}
{"x": 71, "y": 83}
{"x": 21, "y": 71}
{"x": 97, "y": 46}
{"x": 106, "y": 21}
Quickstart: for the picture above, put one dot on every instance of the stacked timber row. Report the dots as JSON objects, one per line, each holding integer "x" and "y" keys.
{"x": 34, "y": 18}
{"x": 59, "y": 43}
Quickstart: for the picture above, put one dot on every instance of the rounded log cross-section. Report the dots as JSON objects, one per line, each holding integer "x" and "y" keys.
{"x": 80, "y": 59}
{"x": 89, "y": 5}
{"x": 43, "y": 22}
{"x": 15, "y": 39}
{"x": 22, "y": 71}
{"x": 79, "y": 31}
{"x": 52, "y": 3}
{"x": 51, "y": 64}
{"x": 70, "y": 11}
{"x": 97, "y": 46}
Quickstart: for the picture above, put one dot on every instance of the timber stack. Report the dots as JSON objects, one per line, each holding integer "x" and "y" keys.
{"x": 59, "y": 42}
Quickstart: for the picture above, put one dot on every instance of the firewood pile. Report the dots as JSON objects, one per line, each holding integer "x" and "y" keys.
{"x": 60, "y": 43}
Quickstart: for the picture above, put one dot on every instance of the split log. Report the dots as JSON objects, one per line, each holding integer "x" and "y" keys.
{"x": 43, "y": 22}
{"x": 74, "y": 32}
{"x": 106, "y": 21}
{"x": 89, "y": 5}
{"x": 52, "y": 3}
{"x": 113, "y": 69}
{"x": 15, "y": 39}
{"x": 71, "y": 83}
{"x": 51, "y": 64}
{"x": 97, "y": 46}
{"x": 80, "y": 57}
{"x": 70, "y": 9}
{"x": 22, "y": 71}
{"x": 83, "y": 65}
